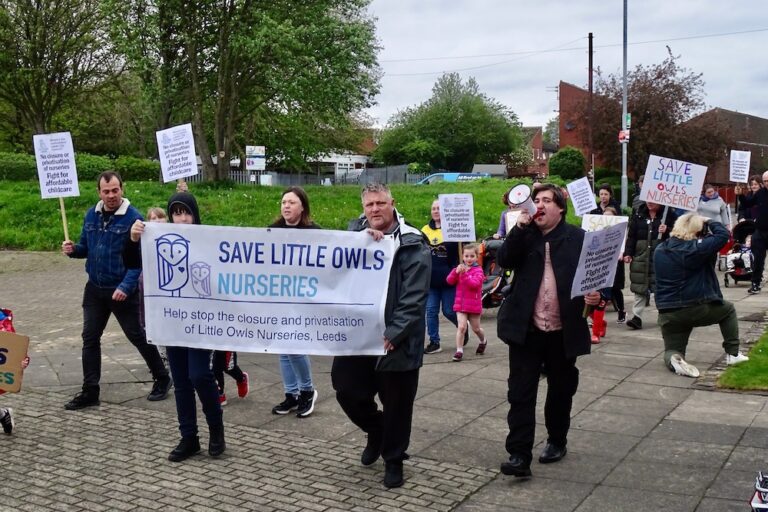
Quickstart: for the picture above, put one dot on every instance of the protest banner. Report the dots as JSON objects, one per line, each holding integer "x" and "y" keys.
{"x": 582, "y": 197}
{"x": 740, "y": 165}
{"x": 176, "y": 147}
{"x": 56, "y": 170}
{"x": 592, "y": 222}
{"x": 13, "y": 350}
{"x": 597, "y": 262}
{"x": 281, "y": 291}
{"x": 673, "y": 183}
{"x": 457, "y": 217}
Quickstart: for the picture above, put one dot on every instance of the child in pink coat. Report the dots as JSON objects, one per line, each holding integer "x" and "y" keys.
{"x": 468, "y": 305}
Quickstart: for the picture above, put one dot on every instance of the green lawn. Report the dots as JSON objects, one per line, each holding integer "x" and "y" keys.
{"x": 31, "y": 223}
{"x": 752, "y": 374}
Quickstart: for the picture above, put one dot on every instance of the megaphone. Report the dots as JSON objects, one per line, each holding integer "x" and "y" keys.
{"x": 519, "y": 197}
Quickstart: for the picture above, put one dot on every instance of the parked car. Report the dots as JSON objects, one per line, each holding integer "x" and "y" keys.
{"x": 453, "y": 177}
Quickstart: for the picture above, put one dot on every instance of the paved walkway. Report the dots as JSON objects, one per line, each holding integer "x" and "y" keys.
{"x": 641, "y": 439}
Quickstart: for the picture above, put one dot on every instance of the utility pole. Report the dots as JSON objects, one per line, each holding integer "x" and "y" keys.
{"x": 591, "y": 152}
{"x": 624, "y": 143}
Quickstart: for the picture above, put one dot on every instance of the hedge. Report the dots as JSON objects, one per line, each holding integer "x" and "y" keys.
{"x": 22, "y": 167}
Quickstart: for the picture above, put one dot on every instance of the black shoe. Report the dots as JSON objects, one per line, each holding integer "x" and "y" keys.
{"x": 372, "y": 450}
{"x": 81, "y": 401}
{"x": 160, "y": 390}
{"x": 517, "y": 467}
{"x": 216, "y": 444}
{"x": 552, "y": 453}
{"x": 306, "y": 403}
{"x": 432, "y": 348}
{"x": 635, "y": 323}
{"x": 187, "y": 447}
{"x": 393, "y": 475}
{"x": 753, "y": 289}
{"x": 290, "y": 403}
{"x": 622, "y": 317}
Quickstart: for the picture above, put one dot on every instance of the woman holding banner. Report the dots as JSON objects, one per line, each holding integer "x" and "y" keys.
{"x": 648, "y": 226}
{"x": 300, "y": 393}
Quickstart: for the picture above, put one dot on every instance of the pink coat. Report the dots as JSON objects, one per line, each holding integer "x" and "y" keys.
{"x": 469, "y": 290}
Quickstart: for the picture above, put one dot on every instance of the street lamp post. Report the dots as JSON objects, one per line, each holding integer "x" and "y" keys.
{"x": 624, "y": 142}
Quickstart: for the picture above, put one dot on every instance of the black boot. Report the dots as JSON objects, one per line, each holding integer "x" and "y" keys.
{"x": 188, "y": 446}
{"x": 393, "y": 475}
{"x": 216, "y": 444}
{"x": 372, "y": 450}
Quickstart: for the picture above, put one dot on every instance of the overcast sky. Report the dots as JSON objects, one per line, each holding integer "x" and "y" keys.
{"x": 486, "y": 39}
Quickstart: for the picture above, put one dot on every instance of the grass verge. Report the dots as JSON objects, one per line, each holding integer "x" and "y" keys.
{"x": 752, "y": 374}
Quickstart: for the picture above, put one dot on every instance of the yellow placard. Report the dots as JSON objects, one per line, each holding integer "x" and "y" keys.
{"x": 13, "y": 350}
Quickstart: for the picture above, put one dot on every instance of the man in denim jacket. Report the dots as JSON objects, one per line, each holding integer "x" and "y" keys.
{"x": 111, "y": 289}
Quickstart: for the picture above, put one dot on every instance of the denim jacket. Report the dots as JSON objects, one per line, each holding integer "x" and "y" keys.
{"x": 103, "y": 243}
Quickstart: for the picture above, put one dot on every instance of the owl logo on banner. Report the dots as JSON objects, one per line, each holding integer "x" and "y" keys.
{"x": 172, "y": 263}
{"x": 201, "y": 278}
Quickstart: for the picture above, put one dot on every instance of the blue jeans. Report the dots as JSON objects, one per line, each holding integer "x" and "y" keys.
{"x": 191, "y": 372}
{"x": 297, "y": 373}
{"x": 436, "y": 297}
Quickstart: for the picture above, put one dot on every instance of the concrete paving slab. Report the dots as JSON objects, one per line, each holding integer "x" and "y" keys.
{"x": 733, "y": 484}
{"x": 748, "y": 459}
{"x": 621, "y": 499}
{"x": 614, "y": 447}
{"x": 613, "y": 423}
{"x": 665, "y": 394}
{"x": 688, "y": 453}
{"x": 755, "y": 436}
{"x": 538, "y": 494}
{"x": 709, "y": 433}
{"x": 631, "y": 406}
{"x": 718, "y": 505}
{"x": 671, "y": 478}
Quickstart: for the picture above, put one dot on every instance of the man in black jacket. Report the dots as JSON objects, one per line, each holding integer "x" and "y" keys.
{"x": 542, "y": 324}
{"x": 394, "y": 376}
{"x": 758, "y": 199}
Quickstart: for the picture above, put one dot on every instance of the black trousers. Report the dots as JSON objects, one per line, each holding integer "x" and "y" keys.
{"x": 226, "y": 362}
{"x": 357, "y": 382}
{"x": 562, "y": 381}
{"x": 97, "y": 306}
{"x": 759, "y": 245}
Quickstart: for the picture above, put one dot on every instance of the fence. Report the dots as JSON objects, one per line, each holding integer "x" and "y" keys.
{"x": 388, "y": 175}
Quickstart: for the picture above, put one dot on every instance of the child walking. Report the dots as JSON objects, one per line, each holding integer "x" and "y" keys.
{"x": 468, "y": 305}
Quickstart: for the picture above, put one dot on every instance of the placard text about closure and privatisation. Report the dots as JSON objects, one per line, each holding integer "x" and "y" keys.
{"x": 176, "y": 147}
{"x": 457, "y": 217}
{"x": 673, "y": 183}
{"x": 282, "y": 291}
{"x": 55, "y": 156}
{"x": 598, "y": 260}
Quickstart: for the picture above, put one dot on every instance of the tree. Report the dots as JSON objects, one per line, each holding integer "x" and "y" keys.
{"x": 552, "y": 131}
{"x": 304, "y": 64}
{"x": 52, "y": 52}
{"x": 568, "y": 163}
{"x": 662, "y": 99}
{"x": 456, "y": 128}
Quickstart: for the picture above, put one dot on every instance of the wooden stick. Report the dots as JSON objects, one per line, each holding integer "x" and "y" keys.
{"x": 64, "y": 218}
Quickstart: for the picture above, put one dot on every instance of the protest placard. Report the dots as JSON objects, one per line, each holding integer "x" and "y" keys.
{"x": 598, "y": 260}
{"x": 673, "y": 183}
{"x": 740, "y": 165}
{"x": 13, "y": 350}
{"x": 457, "y": 217}
{"x": 592, "y": 222}
{"x": 582, "y": 197}
{"x": 281, "y": 291}
{"x": 176, "y": 147}
{"x": 56, "y": 169}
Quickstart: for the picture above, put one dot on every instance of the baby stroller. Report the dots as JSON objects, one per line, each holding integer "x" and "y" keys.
{"x": 496, "y": 278}
{"x": 742, "y": 262}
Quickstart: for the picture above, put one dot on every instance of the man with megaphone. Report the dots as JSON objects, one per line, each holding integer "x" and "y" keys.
{"x": 541, "y": 324}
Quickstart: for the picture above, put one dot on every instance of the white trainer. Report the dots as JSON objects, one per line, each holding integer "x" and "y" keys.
{"x": 738, "y": 358}
{"x": 683, "y": 368}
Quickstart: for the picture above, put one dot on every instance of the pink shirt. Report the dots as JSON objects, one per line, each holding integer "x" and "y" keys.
{"x": 546, "y": 310}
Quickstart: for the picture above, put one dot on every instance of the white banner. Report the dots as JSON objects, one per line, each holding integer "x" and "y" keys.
{"x": 598, "y": 260}
{"x": 281, "y": 291}
{"x": 176, "y": 147}
{"x": 592, "y": 222}
{"x": 673, "y": 183}
{"x": 582, "y": 197}
{"x": 740, "y": 165}
{"x": 457, "y": 217}
{"x": 56, "y": 169}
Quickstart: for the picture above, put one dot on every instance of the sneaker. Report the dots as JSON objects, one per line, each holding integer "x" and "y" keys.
{"x": 290, "y": 403}
{"x": 306, "y": 403}
{"x": 481, "y": 348}
{"x": 6, "y": 420}
{"x": 243, "y": 387}
{"x": 81, "y": 401}
{"x": 222, "y": 399}
{"x": 738, "y": 358}
{"x": 622, "y": 317}
{"x": 160, "y": 390}
{"x": 457, "y": 356}
{"x": 680, "y": 367}
{"x": 635, "y": 323}
{"x": 432, "y": 348}
{"x": 753, "y": 289}
{"x": 595, "y": 339}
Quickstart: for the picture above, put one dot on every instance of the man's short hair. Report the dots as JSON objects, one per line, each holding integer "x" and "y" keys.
{"x": 557, "y": 194}
{"x": 107, "y": 177}
{"x": 688, "y": 226}
{"x": 375, "y": 188}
